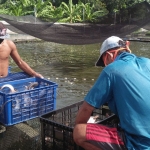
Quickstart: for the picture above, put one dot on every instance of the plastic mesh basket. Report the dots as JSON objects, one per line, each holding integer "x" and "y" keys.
{"x": 26, "y": 103}
{"x": 57, "y": 126}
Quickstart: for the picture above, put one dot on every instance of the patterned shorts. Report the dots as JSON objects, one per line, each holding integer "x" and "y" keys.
{"x": 105, "y": 137}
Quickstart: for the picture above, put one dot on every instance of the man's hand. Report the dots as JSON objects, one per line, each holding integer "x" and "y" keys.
{"x": 38, "y": 75}
{"x": 84, "y": 113}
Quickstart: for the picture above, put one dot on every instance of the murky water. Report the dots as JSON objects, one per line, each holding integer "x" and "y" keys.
{"x": 71, "y": 67}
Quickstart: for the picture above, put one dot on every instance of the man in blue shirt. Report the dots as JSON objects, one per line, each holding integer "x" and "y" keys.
{"x": 124, "y": 84}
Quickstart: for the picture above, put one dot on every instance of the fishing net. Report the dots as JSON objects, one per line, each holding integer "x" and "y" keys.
{"x": 120, "y": 24}
{"x": 20, "y": 137}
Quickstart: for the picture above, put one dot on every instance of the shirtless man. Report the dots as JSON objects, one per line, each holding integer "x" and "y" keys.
{"x": 7, "y": 49}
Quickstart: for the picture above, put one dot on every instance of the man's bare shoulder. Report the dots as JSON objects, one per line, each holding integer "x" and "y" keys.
{"x": 9, "y": 43}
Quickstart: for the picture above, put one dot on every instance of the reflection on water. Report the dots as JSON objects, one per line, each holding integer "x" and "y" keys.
{"x": 72, "y": 67}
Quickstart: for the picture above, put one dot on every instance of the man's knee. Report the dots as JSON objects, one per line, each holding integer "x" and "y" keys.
{"x": 79, "y": 134}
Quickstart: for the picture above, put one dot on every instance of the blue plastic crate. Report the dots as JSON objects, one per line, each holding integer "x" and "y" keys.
{"x": 26, "y": 104}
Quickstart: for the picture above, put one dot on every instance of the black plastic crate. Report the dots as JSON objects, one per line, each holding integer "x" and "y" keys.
{"x": 57, "y": 126}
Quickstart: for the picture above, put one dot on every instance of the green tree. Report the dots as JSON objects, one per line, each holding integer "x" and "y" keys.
{"x": 71, "y": 12}
{"x": 50, "y": 12}
{"x": 115, "y": 9}
{"x": 18, "y": 8}
{"x": 23, "y": 7}
{"x": 38, "y": 6}
{"x": 2, "y": 1}
{"x": 91, "y": 15}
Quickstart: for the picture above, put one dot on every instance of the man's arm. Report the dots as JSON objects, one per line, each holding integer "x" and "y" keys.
{"x": 21, "y": 64}
{"x": 84, "y": 113}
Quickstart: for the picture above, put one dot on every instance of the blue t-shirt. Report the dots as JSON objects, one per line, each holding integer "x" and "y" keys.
{"x": 125, "y": 85}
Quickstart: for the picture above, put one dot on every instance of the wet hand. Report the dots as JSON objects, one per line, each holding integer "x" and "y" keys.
{"x": 38, "y": 75}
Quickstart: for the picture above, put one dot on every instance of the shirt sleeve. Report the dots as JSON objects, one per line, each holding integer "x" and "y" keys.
{"x": 101, "y": 92}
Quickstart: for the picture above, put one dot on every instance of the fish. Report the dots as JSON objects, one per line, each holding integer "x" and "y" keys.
{"x": 92, "y": 119}
{"x": 32, "y": 85}
{"x": 12, "y": 90}
{"x": 28, "y": 101}
{"x": 17, "y": 105}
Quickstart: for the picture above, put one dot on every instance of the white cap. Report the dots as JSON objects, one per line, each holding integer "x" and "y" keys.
{"x": 6, "y": 36}
{"x": 109, "y": 43}
{"x": 3, "y": 34}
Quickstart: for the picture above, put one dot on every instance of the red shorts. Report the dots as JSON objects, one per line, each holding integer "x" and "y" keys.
{"x": 104, "y": 137}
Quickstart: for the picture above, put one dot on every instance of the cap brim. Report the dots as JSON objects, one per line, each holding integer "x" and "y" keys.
{"x": 5, "y": 36}
{"x": 100, "y": 62}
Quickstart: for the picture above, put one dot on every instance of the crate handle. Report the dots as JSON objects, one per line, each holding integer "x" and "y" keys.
{"x": 12, "y": 90}
{"x": 2, "y": 107}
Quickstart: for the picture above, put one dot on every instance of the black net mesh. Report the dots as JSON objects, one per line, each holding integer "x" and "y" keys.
{"x": 121, "y": 24}
{"x": 20, "y": 137}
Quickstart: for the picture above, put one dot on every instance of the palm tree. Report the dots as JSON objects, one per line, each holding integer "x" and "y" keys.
{"x": 70, "y": 12}
{"x": 23, "y": 7}
{"x": 17, "y": 8}
{"x": 91, "y": 15}
{"x": 50, "y": 12}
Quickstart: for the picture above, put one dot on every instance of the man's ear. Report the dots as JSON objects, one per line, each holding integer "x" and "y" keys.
{"x": 110, "y": 55}
{"x": 127, "y": 46}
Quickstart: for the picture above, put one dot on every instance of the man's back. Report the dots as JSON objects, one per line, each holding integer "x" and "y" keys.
{"x": 130, "y": 84}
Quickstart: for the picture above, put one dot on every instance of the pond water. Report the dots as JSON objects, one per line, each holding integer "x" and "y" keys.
{"x": 71, "y": 67}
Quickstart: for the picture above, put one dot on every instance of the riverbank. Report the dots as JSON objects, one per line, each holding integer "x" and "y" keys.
{"x": 17, "y": 37}
{"x": 23, "y": 38}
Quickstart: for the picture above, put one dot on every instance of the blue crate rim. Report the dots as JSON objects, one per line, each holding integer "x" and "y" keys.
{"x": 20, "y": 92}
{"x": 43, "y": 79}
{"x": 27, "y": 91}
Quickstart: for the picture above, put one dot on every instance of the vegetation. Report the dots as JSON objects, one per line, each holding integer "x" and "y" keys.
{"x": 68, "y": 10}
{"x": 147, "y": 33}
